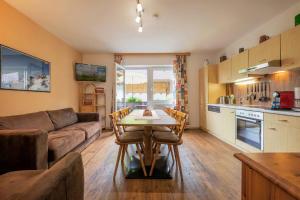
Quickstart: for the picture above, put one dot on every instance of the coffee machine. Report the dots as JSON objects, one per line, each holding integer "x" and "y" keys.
{"x": 283, "y": 100}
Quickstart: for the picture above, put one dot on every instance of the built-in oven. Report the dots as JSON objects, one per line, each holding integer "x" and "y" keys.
{"x": 249, "y": 128}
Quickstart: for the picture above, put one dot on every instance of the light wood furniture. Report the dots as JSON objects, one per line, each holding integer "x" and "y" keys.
{"x": 270, "y": 176}
{"x": 164, "y": 120}
{"x": 123, "y": 139}
{"x": 92, "y": 99}
{"x": 239, "y": 62}
{"x": 228, "y": 125}
{"x": 209, "y": 90}
{"x": 290, "y": 48}
{"x": 208, "y": 164}
{"x": 266, "y": 51}
{"x": 222, "y": 124}
{"x": 172, "y": 139}
{"x": 281, "y": 133}
{"x": 225, "y": 71}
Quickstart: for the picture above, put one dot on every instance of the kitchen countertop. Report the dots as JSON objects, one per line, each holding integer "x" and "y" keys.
{"x": 259, "y": 109}
{"x": 281, "y": 168}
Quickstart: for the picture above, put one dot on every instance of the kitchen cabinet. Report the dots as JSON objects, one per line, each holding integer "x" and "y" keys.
{"x": 209, "y": 91}
{"x": 281, "y": 133}
{"x": 290, "y": 48}
{"x": 238, "y": 62}
{"x": 227, "y": 125}
{"x": 266, "y": 51}
{"x": 222, "y": 124}
{"x": 225, "y": 72}
{"x": 213, "y": 120}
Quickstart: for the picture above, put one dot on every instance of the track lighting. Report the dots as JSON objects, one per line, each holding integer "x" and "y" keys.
{"x": 140, "y": 29}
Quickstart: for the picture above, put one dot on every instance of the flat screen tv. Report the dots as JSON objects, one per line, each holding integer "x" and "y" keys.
{"x": 20, "y": 71}
{"x": 86, "y": 72}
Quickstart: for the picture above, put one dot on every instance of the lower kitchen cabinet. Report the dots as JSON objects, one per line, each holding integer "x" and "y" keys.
{"x": 227, "y": 125}
{"x": 281, "y": 133}
{"x": 222, "y": 124}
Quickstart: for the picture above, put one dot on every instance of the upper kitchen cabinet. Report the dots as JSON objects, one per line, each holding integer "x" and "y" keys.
{"x": 225, "y": 71}
{"x": 239, "y": 62}
{"x": 264, "y": 52}
{"x": 290, "y": 48}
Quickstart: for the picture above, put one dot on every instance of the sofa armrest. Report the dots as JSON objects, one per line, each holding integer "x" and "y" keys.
{"x": 65, "y": 180}
{"x": 24, "y": 149}
{"x": 88, "y": 117}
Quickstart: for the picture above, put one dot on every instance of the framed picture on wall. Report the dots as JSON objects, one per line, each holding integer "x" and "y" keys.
{"x": 20, "y": 71}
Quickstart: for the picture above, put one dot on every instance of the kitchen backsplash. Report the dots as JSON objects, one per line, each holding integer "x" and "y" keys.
{"x": 284, "y": 81}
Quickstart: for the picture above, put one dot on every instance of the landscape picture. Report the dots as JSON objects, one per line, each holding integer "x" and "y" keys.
{"x": 20, "y": 71}
{"x": 85, "y": 72}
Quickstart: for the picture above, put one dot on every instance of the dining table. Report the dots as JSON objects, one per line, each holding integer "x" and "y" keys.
{"x": 158, "y": 118}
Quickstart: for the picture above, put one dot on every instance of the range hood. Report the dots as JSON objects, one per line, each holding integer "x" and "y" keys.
{"x": 264, "y": 68}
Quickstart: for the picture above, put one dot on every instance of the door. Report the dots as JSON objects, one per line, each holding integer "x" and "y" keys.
{"x": 290, "y": 48}
{"x": 264, "y": 52}
{"x": 228, "y": 125}
{"x": 120, "y": 87}
{"x": 225, "y": 71}
{"x": 239, "y": 62}
{"x": 249, "y": 131}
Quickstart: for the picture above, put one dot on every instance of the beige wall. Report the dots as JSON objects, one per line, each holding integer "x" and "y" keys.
{"x": 19, "y": 32}
{"x": 195, "y": 62}
{"x": 106, "y": 59}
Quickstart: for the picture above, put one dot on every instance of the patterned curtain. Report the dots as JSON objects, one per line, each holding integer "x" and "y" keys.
{"x": 181, "y": 83}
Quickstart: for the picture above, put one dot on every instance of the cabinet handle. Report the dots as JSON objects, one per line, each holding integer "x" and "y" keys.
{"x": 273, "y": 129}
{"x": 283, "y": 120}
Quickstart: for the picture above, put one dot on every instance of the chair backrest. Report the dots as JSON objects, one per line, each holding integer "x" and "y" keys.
{"x": 181, "y": 117}
{"x": 118, "y": 130}
{"x": 124, "y": 112}
{"x": 167, "y": 110}
{"x": 173, "y": 113}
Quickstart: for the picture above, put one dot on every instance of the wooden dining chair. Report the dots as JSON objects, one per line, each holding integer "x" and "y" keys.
{"x": 123, "y": 139}
{"x": 170, "y": 112}
{"x": 173, "y": 139}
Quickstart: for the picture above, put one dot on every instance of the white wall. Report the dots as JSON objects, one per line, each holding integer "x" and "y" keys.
{"x": 275, "y": 26}
{"x": 194, "y": 62}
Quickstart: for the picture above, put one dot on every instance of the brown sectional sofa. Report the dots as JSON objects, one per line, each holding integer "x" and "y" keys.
{"x": 37, "y": 140}
{"x": 63, "y": 181}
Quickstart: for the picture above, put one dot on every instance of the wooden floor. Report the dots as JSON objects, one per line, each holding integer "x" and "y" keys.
{"x": 209, "y": 168}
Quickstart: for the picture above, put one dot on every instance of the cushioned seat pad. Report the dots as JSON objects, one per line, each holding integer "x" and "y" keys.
{"x": 132, "y": 137}
{"x": 161, "y": 129}
{"x": 62, "y": 142}
{"x": 133, "y": 128}
{"x": 168, "y": 137}
{"x": 90, "y": 128}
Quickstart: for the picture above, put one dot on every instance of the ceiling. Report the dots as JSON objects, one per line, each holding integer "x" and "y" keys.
{"x": 182, "y": 25}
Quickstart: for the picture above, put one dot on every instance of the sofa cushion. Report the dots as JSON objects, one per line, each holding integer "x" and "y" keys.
{"x": 90, "y": 128}
{"x": 63, "y": 117}
{"x": 38, "y": 120}
{"x": 61, "y": 142}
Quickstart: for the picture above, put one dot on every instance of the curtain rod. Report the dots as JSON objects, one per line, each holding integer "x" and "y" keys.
{"x": 153, "y": 54}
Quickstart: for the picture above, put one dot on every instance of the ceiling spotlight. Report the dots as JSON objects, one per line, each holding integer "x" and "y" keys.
{"x": 138, "y": 19}
{"x": 140, "y": 29}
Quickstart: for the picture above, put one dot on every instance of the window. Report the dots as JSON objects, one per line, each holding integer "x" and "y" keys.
{"x": 153, "y": 86}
